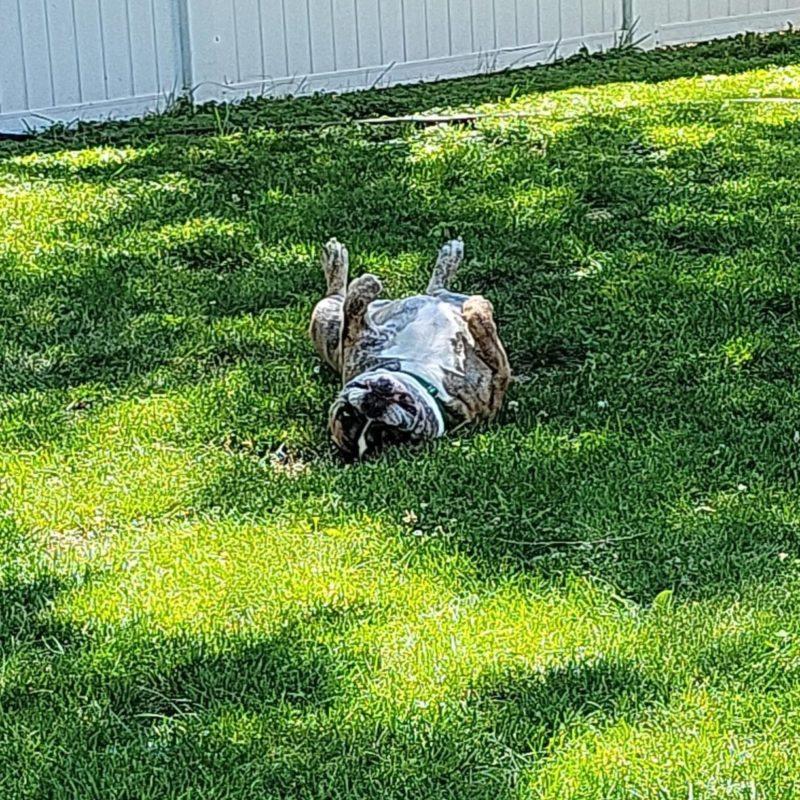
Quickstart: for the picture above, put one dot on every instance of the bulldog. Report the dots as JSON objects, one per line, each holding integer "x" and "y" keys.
{"x": 411, "y": 369}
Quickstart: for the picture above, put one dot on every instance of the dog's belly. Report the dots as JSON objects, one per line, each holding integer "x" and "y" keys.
{"x": 423, "y": 335}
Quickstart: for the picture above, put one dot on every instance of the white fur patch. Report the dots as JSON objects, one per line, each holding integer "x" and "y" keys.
{"x": 430, "y": 402}
{"x": 362, "y": 440}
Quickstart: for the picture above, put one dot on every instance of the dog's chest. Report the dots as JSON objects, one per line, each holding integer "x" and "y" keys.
{"x": 421, "y": 334}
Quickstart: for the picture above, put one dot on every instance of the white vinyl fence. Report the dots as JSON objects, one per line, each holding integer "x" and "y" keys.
{"x": 64, "y": 60}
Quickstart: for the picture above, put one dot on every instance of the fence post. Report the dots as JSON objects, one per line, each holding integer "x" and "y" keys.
{"x": 640, "y": 21}
{"x": 183, "y": 46}
{"x": 627, "y": 16}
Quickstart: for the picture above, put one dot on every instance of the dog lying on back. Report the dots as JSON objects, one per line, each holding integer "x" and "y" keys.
{"x": 411, "y": 368}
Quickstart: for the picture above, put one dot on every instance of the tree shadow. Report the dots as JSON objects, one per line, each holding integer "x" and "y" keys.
{"x": 129, "y": 709}
{"x": 133, "y": 713}
{"x": 23, "y": 603}
{"x": 529, "y": 710}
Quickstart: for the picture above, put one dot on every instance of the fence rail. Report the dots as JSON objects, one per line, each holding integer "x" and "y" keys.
{"x": 64, "y": 60}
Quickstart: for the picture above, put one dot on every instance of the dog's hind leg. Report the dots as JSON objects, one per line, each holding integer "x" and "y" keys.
{"x": 327, "y": 321}
{"x": 447, "y": 264}
{"x": 479, "y": 316}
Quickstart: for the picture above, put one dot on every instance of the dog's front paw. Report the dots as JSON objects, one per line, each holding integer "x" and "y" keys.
{"x": 365, "y": 288}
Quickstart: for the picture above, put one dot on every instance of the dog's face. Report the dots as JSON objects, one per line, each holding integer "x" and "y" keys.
{"x": 380, "y": 409}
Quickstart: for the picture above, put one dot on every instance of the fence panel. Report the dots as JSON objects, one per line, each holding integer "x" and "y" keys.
{"x": 62, "y": 60}
{"x": 663, "y": 22}
{"x": 90, "y": 59}
{"x": 336, "y": 45}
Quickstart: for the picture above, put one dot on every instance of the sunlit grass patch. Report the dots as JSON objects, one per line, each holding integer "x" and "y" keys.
{"x": 40, "y": 218}
{"x": 436, "y": 656}
{"x": 569, "y": 105}
{"x": 49, "y": 226}
{"x": 196, "y": 240}
{"x": 430, "y": 630}
{"x": 121, "y": 468}
{"x": 76, "y": 161}
{"x": 681, "y": 136}
{"x": 220, "y": 578}
{"x": 707, "y": 745}
{"x": 741, "y": 351}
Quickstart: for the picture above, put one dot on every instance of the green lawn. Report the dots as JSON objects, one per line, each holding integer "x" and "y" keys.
{"x": 598, "y": 596}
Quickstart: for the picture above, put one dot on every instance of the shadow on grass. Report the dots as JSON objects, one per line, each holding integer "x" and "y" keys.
{"x": 172, "y": 263}
{"x": 136, "y": 714}
{"x": 633, "y": 388}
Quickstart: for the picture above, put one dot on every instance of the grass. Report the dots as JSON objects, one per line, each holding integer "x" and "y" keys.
{"x": 596, "y": 597}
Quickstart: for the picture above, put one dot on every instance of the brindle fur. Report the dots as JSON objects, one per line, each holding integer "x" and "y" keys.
{"x": 326, "y": 322}
{"x": 352, "y": 347}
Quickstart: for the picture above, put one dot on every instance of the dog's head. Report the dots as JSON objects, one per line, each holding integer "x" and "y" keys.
{"x": 379, "y": 409}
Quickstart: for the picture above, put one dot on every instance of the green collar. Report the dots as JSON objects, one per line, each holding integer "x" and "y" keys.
{"x": 447, "y": 414}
